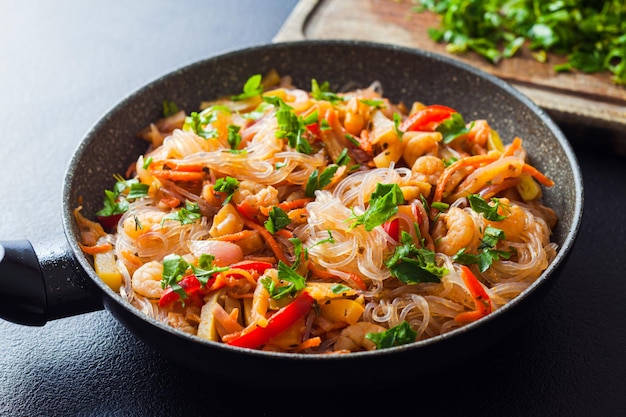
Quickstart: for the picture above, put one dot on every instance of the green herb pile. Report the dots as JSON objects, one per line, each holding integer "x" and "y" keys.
{"x": 591, "y": 33}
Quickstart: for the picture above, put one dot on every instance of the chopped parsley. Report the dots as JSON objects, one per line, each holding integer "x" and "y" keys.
{"x": 291, "y": 126}
{"x": 384, "y": 202}
{"x": 318, "y": 181}
{"x": 200, "y": 124}
{"x": 589, "y": 33}
{"x": 252, "y": 88}
{"x": 234, "y": 137}
{"x": 322, "y": 92}
{"x": 339, "y": 288}
{"x": 291, "y": 281}
{"x": 489, "y": 212}
{"x": 169, "y": 108}
{"x": 116, "y": 200}
{"x": 487, "y": 253}
{"x": 399, "y": 335}
{"x": 175, "y": 267}
{"x": 277, "y": 220}
{"x": 226, "y": 185}
{"x": 186, "y": 215}
{"x": 343, "y": 158}
{"x": 413, "y": 265}
{"x": 452, "y": 128}
{"x": 377, "y": 104}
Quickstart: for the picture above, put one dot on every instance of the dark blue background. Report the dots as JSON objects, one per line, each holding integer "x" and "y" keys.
{"x": 63, "y": 64}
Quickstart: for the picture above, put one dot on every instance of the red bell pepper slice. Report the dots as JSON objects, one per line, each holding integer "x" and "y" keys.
{"x": 277, "y": 324}
{"x": 314, "y": 128}
{"x": 480, "y": 296}
{"x": 392, "y": 227}
{"x": 192, "y": 287}
{"x": 427, "y": 118}
{"x": 257, "y": 266}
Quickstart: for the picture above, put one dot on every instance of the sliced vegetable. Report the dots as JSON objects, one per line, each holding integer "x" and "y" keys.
{"x": 392, "y": 227}
{"x": 478, "y": 293}
{"x": 191, "y": 287}
{"x": 427, "y": 118}
{"x": 258, "y": 336}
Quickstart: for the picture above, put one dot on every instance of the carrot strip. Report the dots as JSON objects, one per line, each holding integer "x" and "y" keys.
{"x": 183, "y": 167}
{"x": 285, "y": 233}
{"x": 169, "y": 174}
{"x": 92, "y": 250}
{"x": 294, "y": 204}
{"x": 534, "y": 172}
{"x": 309, "y": 343}
{"x": 269, "y": 239}
{"x": 513, "y": 147}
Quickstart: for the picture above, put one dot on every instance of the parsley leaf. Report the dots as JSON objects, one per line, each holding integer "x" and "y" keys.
{"x": 226, "y": 185}
{"x": 206, "y": 269}
{"x": 479, "y": 205}
{"x": 116, "y": 202}
{"x": 174, "y": 268}
{"x": 412, "y": 265}
{"x": 452, "y": 128}
{"x": 318, "y": 181}
{"x": 277, "y": 220}
{"x": 343, "y": 158}
{"x": 295, "y": 282}
{"x": 487, "y": 252}
{"x": 384, "y": 202}
{"x": 290, "y": 126}
{"x": 322, "y": 92}
{"x": 169, "y": 108}
{"x": 201, "y": 125}
{"x": 253, "y": 87}
{"x": 339, "y": 288}
{"x": 377, "y": 104}
{"x": 234, "y": 137}
{"x": 186, "y": 215}
{"x": 399, "y": 335}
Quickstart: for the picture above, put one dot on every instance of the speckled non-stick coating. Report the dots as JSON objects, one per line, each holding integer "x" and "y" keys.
{"x": 406, "y": 75}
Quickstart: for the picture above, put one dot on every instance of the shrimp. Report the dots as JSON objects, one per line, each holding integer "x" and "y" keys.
{"x": 352, "y": 338}
{"x": 146, "y": 280}
{"x": 428, "y": 168}
{"x": 255, "y": 194}
{"x": 142, "y": 222}
{"x": 419, "y": 144}
{"x": 454, "y": 231}
{"x": 515, "y": 221}
{"x": 479, "y": 134}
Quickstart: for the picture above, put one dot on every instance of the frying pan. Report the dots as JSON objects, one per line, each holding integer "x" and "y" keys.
{"x": 54, "y": 280}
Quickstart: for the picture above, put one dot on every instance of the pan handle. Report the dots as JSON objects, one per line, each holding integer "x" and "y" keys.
{"x": 46, "y": 284}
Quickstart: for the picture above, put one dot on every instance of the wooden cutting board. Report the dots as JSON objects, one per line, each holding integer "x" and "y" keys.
{"x": 571, "y": 98}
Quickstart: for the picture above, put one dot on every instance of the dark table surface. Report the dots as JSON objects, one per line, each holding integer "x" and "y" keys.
{"x": 63, "y": 64}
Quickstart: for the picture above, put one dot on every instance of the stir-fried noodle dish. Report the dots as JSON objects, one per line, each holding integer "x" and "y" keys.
{"x": 314, "y": 221}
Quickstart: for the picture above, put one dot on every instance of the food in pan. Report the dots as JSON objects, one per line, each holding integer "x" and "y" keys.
{"x": 318, "y": 221}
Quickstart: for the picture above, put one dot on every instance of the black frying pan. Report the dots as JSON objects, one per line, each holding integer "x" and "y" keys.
{"x": 57, "y": 280}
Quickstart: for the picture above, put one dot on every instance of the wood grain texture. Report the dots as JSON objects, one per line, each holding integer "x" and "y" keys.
{"x": 572, "y": 98}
